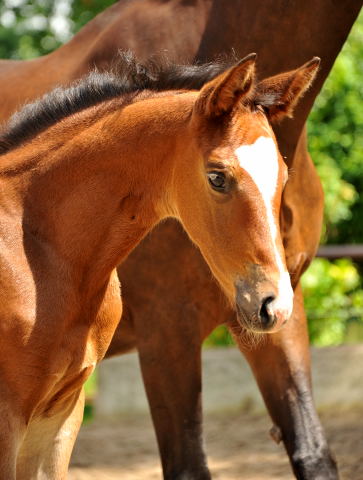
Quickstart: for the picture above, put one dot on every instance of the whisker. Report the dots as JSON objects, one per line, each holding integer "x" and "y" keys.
{"x": 245, "y": 338}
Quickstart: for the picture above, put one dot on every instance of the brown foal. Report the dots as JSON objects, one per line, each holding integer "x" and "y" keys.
{"x": 85, "y": 174}
{"x": 170, "y": 302}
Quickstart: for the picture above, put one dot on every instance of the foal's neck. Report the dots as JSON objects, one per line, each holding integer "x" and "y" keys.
{"x": 94, "y": 192}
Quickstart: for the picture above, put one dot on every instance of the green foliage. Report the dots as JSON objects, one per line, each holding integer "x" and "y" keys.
{"x": 334, "y": 290}
{"x": 84, "y": 10}
{"x": 27, "y": 28}
{"x": 90, "y": 389}
{"x": 220, "y": 337}
{"x": 32, "y": 28}
{"x": 336, "y": 142}
{"x": 87, "y": 413}
{"x": 333, "y": 300}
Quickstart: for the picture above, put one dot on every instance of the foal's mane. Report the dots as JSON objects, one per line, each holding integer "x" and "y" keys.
{"x": 126, "y": 76}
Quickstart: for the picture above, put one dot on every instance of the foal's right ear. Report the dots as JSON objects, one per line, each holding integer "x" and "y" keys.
{"x": 221, "y": 94}
{"x": 279, "y": 95}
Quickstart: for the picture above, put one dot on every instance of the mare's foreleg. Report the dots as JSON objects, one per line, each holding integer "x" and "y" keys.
{"x": 170, "y": 358}
{"x": 281, "y": 365}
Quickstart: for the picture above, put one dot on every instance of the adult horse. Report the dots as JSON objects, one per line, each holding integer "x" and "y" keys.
{"x": 85, "y": 173}
{"x": 168, "y": 312}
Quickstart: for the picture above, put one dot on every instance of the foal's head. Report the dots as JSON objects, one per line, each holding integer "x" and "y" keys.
{"x": 230, "y": 183}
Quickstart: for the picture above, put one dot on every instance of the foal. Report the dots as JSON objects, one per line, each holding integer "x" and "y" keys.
{"x": 85, "y": 174}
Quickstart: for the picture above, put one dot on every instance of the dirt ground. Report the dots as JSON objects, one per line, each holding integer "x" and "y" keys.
{"x": 238, "y": 446}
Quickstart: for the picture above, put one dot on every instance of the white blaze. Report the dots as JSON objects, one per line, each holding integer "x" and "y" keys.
{"x": 260, "y": 161}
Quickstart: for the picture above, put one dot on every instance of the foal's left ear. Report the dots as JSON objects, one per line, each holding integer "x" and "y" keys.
{"x": 221, "y": 94}
{"x": 279, "y": 95}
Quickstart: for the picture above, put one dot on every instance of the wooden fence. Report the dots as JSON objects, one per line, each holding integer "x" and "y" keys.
{"x": 331, "y": 252}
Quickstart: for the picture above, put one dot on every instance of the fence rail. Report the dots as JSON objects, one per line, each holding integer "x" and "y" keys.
{"x": 331, "y": 252}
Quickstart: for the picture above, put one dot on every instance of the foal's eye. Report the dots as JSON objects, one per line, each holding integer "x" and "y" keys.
{"x": 217, "y": 180}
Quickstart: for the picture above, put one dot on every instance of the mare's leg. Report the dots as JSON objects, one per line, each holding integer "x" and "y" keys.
{"x": 169, "y": 349}
{"x": 281, "y": 366}
{"x": 169, "y": 328}
{"x": 48, "y": 444}
{"x": 171, "y": 368}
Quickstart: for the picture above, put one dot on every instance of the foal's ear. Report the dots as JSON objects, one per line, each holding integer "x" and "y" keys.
{"x": 221, "y": 94}
{"x": 279, "y": 95}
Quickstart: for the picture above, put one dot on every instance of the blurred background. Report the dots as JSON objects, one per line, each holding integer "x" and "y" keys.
{"x": 333, "y": 289}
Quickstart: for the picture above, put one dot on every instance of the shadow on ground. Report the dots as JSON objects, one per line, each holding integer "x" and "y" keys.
{"x": 238, "y": 445}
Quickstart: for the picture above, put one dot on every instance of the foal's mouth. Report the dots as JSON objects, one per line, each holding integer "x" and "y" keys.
{"x": 258, "y": 322}
{"x": 249, "y": 322}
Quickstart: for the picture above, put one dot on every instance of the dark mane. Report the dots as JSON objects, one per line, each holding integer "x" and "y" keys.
{"x": 126, "y": 76}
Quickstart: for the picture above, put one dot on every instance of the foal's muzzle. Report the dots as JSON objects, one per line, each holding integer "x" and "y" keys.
{"x": 263, "y": 306}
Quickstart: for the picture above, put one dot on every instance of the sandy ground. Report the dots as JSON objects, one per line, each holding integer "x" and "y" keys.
{"x": 238, "y": 446}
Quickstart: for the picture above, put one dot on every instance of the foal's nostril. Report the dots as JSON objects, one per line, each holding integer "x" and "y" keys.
{"x": 267, "y": 319}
